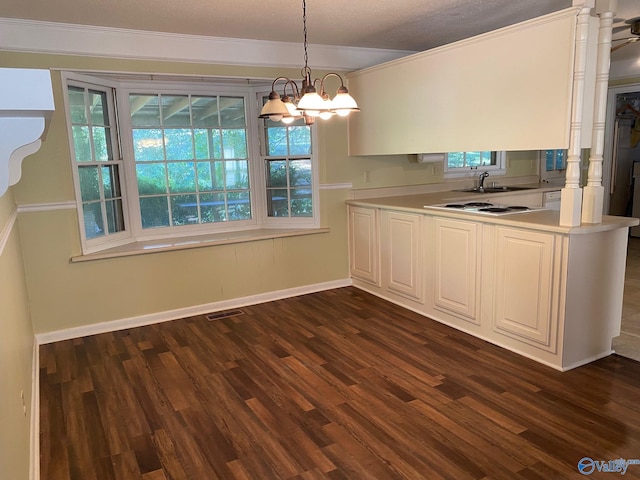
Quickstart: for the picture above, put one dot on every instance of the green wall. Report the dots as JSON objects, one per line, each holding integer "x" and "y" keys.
{"x": 16, "y": 350}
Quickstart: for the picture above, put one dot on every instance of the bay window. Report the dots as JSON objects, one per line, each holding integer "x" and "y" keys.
{"x": 161, "y": 159}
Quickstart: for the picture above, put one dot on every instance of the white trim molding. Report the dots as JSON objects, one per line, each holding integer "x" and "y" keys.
{"x": 69, "y": 39}
{"x": 34, "y": 463}
{"x": 6, "y": 230}
{"x": 142, "y": 320}
{"x": 47, "y": 207}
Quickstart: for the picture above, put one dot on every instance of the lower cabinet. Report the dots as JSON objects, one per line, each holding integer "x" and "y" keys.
{"x": 456, "y": 268}
{"x": 525, "y": 287}
{"x": 553, "y": 297}
{"x": 364, "y": 250}
{"x": 402, "y": 253}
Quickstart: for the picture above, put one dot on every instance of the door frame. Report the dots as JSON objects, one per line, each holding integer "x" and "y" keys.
{"x": 609, "y": 136}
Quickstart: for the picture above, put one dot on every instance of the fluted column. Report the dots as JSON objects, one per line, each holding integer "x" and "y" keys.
{"x": 593, "y": 194}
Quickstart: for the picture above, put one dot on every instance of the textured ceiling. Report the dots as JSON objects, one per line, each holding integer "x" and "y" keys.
{"x": 413, "y": 25}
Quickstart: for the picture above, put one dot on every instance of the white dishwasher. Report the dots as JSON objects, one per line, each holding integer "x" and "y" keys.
{"x": 551, "y": 200}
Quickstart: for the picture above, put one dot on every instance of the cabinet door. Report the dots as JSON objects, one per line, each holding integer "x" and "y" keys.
{"x": 524, "y": 298}
{"x": 401, "y": 253}
{"x": 364, "y": 249}
{"x": 456, "y": 268}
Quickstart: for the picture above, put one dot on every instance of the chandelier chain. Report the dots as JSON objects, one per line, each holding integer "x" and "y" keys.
{"x": 304, "y": 31}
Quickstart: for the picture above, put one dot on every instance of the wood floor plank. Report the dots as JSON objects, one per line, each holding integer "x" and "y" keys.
{"x": 331, "y": 385}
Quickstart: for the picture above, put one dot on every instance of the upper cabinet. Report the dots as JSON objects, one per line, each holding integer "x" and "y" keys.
{"x": 510, "y": 89}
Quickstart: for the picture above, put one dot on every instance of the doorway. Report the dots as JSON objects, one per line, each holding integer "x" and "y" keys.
{"x": 621, "y": 152}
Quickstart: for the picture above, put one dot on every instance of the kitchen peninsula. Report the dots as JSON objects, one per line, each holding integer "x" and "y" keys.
{"x": 549, "y": 292}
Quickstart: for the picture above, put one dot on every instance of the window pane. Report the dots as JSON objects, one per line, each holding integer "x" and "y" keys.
{"x": 77, "y": 105}
{"x": 97, "y": 105}
{"x": 154, "y": 212}
{"x": 93, "y": 223}
{"x": 239, "y": 205}
{"x": 147, "y": 145}
{"x": 456, "y": 159}
{"x": 277, "y": 173}
{"x": 115, "y": 218}
{"x": 184, "y": 209}
{"x": 210, "y": 176}
{"x": 179, "y": 143}
{"x": 151, "y": 178}
{"x": 145, "y": 110}
{"x": 205, "y": 111}
{"x": 89, "y": 183}
{"x": 237, "y": 175}
{"x": 232, "y": 112}
{"x": 110, "y": 181}
{"x": 300, "y": 172}
{"x": 301, "y": 203}
{"x": 278, "y": 203}
{"x": 204, "y": 143}
{"x": 549, "y": 156}
{"x": 101, "y": 143}
{"x": 299, "y": 140}
{"x": 474, "y": 159}
{"x": 235, "y": 143}
{"x": 175, "y": 111}
{"x": 81, "y": 143}
{"x": 212, "y": 208}
{"x": 182, "y": 177}
{"x": 276, "y": 141}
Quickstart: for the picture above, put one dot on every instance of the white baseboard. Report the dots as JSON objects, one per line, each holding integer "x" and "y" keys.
{"x": 34, "y": 450}
{"x": 112, "y": 326}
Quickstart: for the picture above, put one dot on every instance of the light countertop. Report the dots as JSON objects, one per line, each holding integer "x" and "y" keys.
{"x": 546, "y": 220}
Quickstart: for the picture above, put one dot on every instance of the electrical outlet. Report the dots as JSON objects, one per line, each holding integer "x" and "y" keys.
{"x": 24, "y": 405}
{"x": 436, "y": 169}
{"x": 367, "y": 176}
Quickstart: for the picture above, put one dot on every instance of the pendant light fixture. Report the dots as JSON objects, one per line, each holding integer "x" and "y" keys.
{"x": 307, "y": 102}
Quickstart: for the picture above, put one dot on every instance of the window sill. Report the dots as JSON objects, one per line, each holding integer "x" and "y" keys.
{"x": 199, "y": 241}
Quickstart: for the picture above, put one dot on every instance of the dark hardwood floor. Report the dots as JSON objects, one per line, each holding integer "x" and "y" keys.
{"x": 337, "y": 385}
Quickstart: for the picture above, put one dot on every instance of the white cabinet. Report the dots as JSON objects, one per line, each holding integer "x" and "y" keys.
{"x": 402, "y": 253}
{"x": 456, "y": 268}
{"x": 553, "y": 296}
{"x": 364, "y": 250}
{"x": 525, "y": 287}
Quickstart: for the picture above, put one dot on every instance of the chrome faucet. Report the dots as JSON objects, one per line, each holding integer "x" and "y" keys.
{"x": 481, "y": 178}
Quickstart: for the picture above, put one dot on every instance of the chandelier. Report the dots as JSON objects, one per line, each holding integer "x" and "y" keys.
{"x": 307, "y": 102}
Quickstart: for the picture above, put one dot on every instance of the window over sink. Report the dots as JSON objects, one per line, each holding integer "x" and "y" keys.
{"x": 469, "y": 164}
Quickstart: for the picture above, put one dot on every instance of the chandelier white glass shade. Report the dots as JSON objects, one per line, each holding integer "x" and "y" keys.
{"x": 307, "y": 102}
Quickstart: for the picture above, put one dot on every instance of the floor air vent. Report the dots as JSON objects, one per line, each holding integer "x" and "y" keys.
{"x": 225, "y": 314}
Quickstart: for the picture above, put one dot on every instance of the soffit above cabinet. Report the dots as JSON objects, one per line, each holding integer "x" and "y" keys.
{"x": 510, "y": 89}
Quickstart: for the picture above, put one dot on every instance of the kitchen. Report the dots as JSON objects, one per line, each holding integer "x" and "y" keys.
{"x": 59, "y": 297}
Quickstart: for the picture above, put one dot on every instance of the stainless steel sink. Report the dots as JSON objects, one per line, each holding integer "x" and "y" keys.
{"x": 493, "y": 189}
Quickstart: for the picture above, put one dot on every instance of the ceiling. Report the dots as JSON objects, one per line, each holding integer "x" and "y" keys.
{"x": 412, "y": 25}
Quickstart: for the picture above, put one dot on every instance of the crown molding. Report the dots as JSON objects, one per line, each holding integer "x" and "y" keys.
{"x": 69, "y": 39}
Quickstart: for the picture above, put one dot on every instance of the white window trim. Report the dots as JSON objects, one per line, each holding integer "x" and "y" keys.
{"x": 134, "y": 233}
{"x": 116, "y": 239}
{"x": 499, "y": 169}
{"x": 291, "y": 222}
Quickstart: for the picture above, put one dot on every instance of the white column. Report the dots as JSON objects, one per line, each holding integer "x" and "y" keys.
{"x": 571, "y": 195}
{"x": 593, "y": 194}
